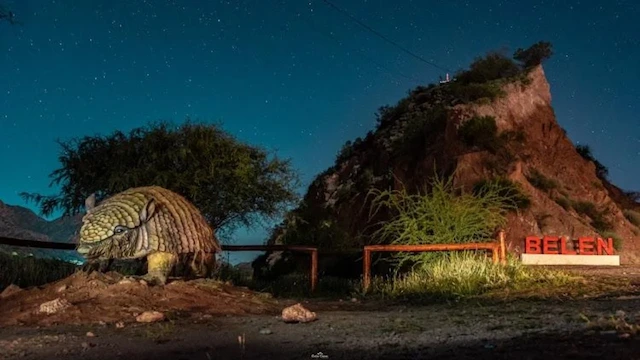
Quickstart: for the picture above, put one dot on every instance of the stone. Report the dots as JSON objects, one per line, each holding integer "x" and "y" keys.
{"x": 150, "y": 316}
{"x": 54, "y": 306}
{"x": 10, "y": 290}
{"x": 297, "y": 313}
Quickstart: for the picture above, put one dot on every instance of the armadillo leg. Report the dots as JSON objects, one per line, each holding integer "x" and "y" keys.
{"x": 159, "y": 266}
{"x": 90, "y": 266}
{"x": 105, "y": 265}
{"x": 202, "y": 264}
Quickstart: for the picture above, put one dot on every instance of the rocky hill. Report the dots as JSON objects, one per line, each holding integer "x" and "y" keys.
{"x": 21, "y": 223}
{"x": 494, "y": 121}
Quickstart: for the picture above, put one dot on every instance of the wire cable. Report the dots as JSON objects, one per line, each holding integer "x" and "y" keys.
{"x": 370, "y": 29}
{"x": 389, "y": 71}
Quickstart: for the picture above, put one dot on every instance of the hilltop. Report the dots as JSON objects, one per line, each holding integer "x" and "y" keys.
{"x": 493, "y": 122}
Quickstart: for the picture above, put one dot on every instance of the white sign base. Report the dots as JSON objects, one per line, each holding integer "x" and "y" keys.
{"x": 551, "y": 259}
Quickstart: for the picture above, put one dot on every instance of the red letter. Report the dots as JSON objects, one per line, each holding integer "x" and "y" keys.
{"x": 607, "y": 247}
{"x": 585, "y": 244}
{"x": 563, "y": 249}
{"x": 532, "y": 245}
{"x": 550, "y": 245}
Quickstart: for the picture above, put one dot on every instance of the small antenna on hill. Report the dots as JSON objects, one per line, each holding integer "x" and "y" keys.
{"x": 446, "y": 80}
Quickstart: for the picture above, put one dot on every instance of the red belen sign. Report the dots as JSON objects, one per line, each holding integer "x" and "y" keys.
{"x": 558, "y": 246}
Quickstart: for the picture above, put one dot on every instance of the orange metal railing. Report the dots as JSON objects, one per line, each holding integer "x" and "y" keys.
{"x": 498, "y": 252}
{"x": 70, "y": 246}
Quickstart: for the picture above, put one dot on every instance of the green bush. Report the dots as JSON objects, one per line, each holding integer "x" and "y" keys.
{"x": 480, "y": 131}
{"x": 535, "y": 54}
{"x": 438, "y": 216}
{"x": 457, "y": 275}
{"x": 492, "y": 66}
{"x": 469, "y": 93}
{"x": 420, "y": 128}
{"x": 540, "y": 181}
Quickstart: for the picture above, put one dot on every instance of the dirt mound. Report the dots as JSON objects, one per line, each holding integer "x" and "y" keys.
{"x": 112, "y": 298}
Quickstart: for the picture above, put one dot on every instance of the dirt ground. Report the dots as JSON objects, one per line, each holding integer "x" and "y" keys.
{"x": 209, "y": 320}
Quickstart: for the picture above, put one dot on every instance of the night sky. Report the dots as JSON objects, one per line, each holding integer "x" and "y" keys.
{"x": 297, "y": 77}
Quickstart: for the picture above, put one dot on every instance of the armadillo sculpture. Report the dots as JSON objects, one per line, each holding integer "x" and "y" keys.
{"x": 150, "y": 222}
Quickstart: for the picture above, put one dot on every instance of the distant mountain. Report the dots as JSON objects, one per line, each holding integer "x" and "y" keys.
{"x": 21, "y": 223}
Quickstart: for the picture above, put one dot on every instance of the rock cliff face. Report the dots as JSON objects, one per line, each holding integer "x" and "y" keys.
{"x": 423, "y": 132}
{"x": 562, "y": 209}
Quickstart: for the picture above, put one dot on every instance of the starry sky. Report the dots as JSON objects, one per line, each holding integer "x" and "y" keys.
{"x": 296, "y": 77}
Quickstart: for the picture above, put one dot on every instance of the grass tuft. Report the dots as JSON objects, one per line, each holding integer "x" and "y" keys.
{"x": 540, "y": 181}
{"x": 439, "y": 216}
{"x": 458, "y": 275}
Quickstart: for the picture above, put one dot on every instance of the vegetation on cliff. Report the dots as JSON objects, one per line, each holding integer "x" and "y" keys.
{"x": 407, "y": 135}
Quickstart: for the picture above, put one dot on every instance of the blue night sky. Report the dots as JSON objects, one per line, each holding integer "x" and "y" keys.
{"x": 297, "y": 77}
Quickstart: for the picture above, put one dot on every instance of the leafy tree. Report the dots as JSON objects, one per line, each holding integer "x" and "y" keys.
{"x": 535, "y": 54}
{"x": 232, "y": 183}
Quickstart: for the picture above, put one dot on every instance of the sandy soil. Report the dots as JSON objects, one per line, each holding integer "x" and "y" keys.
{"x": 343, "y": 330}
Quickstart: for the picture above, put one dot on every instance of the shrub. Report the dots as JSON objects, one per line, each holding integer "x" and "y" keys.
{"x": 535, "y": 54}
{"x": 480, "y": 132}
{"x": 540, "y": 181}
{"x": 633, "y": 217}
{"x": 388, "y": 114}
{"x": 345, "y": 153}
{"x": 419, "y": 129}
{"x": 564, "y": 202}
{"x": 457, "y": 275}
{"x": 493, "y": 66}
{"x": 584, "y": 208}
{"x": 617, "y": 240}
{"x": 468, "y": 93}
{"x": 585, "y": 151}
{"x": 438, "y": 216}
{"x": 589, "y": 209}
{"x": 517, "y": 136}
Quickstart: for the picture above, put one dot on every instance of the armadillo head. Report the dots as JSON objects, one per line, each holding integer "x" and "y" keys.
{"x": 115, "y": 229}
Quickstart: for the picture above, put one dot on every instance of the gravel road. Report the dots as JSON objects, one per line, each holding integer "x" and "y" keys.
{"x": 515, "y": 330}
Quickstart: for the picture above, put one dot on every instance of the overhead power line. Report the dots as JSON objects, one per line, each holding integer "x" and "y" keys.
{"x": 370, "y": 29}
{"x": 379, "y": 65}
